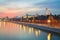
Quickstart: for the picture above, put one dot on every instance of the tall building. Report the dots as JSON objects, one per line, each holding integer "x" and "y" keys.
{"x": 47, "y": 12}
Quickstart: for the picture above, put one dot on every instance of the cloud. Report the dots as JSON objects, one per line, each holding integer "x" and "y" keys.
{"x": 20, "y": 10}
{"x": 19, "y": 5}
{"x": 15, "y": 3}
{"x": 49, "y": 4}
{"x": 28, "y": 6}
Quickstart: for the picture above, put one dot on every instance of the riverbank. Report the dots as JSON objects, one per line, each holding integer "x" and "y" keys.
{"x": 41, "y": 26}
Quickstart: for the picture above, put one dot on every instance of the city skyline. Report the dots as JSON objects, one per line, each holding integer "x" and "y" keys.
{"x": 13, "y": 8}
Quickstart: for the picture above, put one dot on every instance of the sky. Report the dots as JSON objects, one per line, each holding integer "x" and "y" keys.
{"x": 13, "y": 8}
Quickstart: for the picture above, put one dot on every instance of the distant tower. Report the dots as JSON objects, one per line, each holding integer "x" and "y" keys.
{"x": 22, "y": 19}
{"x": 47, "y": 12}
{"x": 27, "y": 17}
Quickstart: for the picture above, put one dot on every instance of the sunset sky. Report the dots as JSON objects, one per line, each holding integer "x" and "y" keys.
{"x": 13, "y": 8}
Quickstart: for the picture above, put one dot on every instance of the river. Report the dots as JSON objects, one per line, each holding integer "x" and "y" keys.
{"x": 13, "y": 31}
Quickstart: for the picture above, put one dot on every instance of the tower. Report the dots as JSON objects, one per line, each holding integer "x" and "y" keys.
{"x": 27, "y": 17}
{"x": 47, "y": 12}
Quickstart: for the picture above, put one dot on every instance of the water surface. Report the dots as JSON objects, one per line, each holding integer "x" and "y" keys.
{"x": 13, "y": 31}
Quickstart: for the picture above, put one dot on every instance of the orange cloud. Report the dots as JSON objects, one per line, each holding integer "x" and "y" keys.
{"x": 11, "y": 12}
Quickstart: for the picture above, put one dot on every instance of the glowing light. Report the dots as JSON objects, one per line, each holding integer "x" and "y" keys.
{"x": 49, "y": 36}
{"x": 24, "y": 28}
{"x": 37, "y": 32}
{"x": 0, "y": 24}
{"x": 30, "y": 30}
{"x": 49, "y": 21}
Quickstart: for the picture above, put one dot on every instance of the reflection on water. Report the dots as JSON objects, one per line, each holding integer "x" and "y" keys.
{"x": 49, "y": 36}
{"x": 11, "y": 30}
